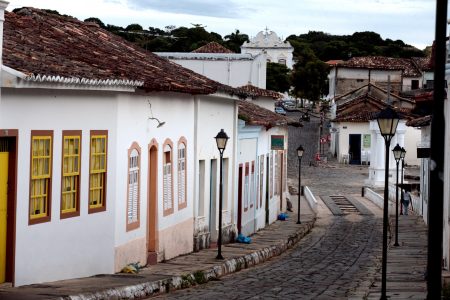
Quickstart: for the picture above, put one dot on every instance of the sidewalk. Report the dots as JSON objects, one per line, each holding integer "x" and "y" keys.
{"x": 180, "y": 272}
{"x": 406, "y": 264}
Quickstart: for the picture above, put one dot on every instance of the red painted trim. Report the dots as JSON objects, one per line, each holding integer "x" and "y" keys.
{"x": 13, "y": 137}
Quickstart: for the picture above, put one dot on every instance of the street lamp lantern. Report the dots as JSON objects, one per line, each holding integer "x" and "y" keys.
{"x": 221, "y": 140}
{"x": 387, "y": 121}
{"x": 397, "y": 155}
{"x": 397, "y": 152}
{"x": 403, "y": 153}
{"x": 300, "y": 151}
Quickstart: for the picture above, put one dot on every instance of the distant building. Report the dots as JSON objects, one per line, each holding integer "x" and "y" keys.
{"x": 404, "y": 74}
{"x": 275, "y": 49}
{"x": 223, "y": 65}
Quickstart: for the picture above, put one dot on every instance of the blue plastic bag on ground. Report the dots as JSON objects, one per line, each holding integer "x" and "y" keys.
{"x": 282, "y": 217}
{"x": 243, "y": 239}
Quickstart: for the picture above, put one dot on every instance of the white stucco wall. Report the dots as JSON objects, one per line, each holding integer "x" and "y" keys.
{"x": 230, "y": 69}
{"x": 213, "y": 113}
{"x": 412, "y": 139}
{"x": 264, "y": 102}
{"x": 134, "y": 126}
{"x": 61, "y": 248}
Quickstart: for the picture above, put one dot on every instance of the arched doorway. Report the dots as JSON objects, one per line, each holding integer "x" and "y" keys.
{"x": 152, "y": 211}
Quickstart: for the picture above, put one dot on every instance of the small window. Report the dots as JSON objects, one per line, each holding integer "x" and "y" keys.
{"x": 182, "y": 203}
{"x": 414, "y": 84}
{"x": 271, "y": 176}
{"x": 246, "y": 186}
{"x": 167, "y": 179}
{"x": 282, "y": 61}
{"x": 97, "y": 170}
{"x": 261, "y": 179}
{"x": 253, "y": 186}
{"x": 134, "y": 164}
{"x": 70, "y": 181}
{"x": 40, "y": 176}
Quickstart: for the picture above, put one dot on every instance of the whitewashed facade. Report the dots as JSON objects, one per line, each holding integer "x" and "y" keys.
{"x": 274, "y": 48}
{"x": 228, "y": 68}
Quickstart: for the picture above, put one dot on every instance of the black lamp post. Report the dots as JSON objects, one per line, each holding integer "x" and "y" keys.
{"x": 387, "y": 121}
{"x": 397, "y": 155}
{"x": 402, "y": 157}
{"x": 221, "y": 140}
{"x": 300, "y": 151}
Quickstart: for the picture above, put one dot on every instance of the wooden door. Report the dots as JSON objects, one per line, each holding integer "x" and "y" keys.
{"x": 4, "y": 162}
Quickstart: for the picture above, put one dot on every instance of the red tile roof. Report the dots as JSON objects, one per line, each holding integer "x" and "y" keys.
{"x": 334, "y": 62}
{"x": 419, "y": 122}
{"x": 49, "y": 47}
{"x": 253, "y": 114}
{"x": 362, "y": 104}
{"x": 409, "y": 68}
{"x": 212, "y": 47}
{"x": 255, "y": 92}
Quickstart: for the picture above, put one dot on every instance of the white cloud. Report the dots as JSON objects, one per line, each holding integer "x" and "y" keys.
{"x": 409, "y": 20}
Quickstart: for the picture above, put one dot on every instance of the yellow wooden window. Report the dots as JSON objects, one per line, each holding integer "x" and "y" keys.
{"x": 97, "y": 171}
{"x": 71, "y": 173}
{"x": 41, "y": 153}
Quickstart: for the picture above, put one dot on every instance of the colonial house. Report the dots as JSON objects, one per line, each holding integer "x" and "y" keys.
{"x": 400, "y": 74}
{"x": 262, "y": 160}
{"x": 107, "y": 151}
{"x": 355, "y": 137}
{"x": 221, "y": 64}
{"x": 268, "y": 42}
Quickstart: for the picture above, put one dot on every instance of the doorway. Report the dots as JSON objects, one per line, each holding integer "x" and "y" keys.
{"x": 152, "y": 211}
{"x": 266, "y": 202}
{"x": 355, "y": 149}
{"x": 8, "y": 187}
{"x": 213, "y": 201}
{"x": 239, "y": 219}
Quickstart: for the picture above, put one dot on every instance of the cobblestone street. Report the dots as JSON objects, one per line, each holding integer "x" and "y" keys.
{"x": 337, "y": 260}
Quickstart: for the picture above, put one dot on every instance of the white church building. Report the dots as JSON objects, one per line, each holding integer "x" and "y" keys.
{"x": 276, "y": 49}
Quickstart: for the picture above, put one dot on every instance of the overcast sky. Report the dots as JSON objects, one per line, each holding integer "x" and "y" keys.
{"x": 409, "y": 20}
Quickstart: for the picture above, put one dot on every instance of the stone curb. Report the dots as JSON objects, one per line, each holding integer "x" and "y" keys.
{"x": 153, "y": 288}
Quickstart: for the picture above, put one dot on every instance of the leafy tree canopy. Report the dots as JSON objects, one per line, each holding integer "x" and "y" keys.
{"x": 278, "y": 77}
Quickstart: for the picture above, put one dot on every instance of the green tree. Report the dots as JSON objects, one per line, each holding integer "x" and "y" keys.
{"x": 234, "y": 40}
{"x": 96, "y": 20}
{"x": 310, "y": 79}
{"x": 134, "y": 27}
{"x": 278, "y": 77}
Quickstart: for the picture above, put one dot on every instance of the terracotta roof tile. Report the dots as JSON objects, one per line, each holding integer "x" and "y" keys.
{"x": 46, "y": 45}
{"x": 383, "y": 63}
{"x": 212, "y": 47}
{"x": 253, "y": 114}
{"x": 254, "y": 92}
{"x": 419, "y": 122}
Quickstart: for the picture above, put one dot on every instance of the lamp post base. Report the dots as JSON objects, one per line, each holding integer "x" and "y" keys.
{"x": 298, "y": 222}
{"x": 396, "y": 245}
{"x": 219, "y": 257}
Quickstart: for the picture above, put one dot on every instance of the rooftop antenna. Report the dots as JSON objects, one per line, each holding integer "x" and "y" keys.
{"x": 160, "y": 124}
